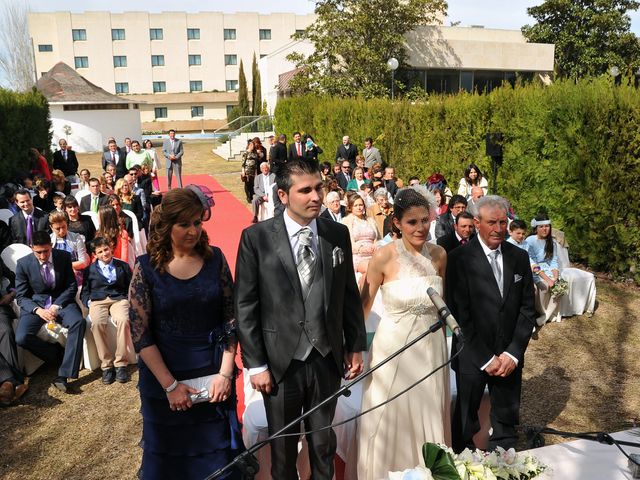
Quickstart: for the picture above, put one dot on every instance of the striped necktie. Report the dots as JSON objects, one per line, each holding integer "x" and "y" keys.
{"x": 305, "y": 259}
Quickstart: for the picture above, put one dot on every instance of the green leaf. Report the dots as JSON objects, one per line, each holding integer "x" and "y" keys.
{"x": 439, "y": 462}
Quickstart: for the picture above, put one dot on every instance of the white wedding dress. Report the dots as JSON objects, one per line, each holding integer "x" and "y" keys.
{"x": 391, "y": 437}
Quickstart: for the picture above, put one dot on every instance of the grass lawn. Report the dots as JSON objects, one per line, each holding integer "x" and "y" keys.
{"x": 580, "y": 375}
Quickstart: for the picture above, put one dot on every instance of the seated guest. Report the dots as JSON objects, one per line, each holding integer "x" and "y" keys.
{"x": 8, "y": 197}
{"x": 389, "y": 181}
{"x": 5, "y": 236}
{"x": 472, "y": 178}
{"x": 113, "y": 229}
{"x": 464, "y": 229}
{"x": 476, "y": 194}
{"x": 441, "y": 201}
{"x": 344, "y": 177}
{"x": 58, "y": 200}
{"x": 46, "y": 292}
{"x": 360, "y": 163}
{"x": 543, "y": 256}
{"x": 381, "y": 210}
{"x": 132, "y": 180}
{"x": 446, "y": 222}
{"x": 414, "y": 181}
{"x": 104, "y": 292}
{"x": 12, "y": 385}
{"x": 129, "y": 200}
{"x": 325, "y": 171}
{"x": 263, "y": 185}
{"x": 43, "y": 199}
{"x": 60, "y": 183}
{"x": 114, "y": 201}
{"x": 517, "y": 233}
{"x": 334, "y": 211}
{"x": 337, "y": 168}
{"x": 85, "y": 175}
{"x": 72, "y": 243}
{"x": 80, "y": 224}
{"x": 357, "y": 180}
{"x": 366, "y": 192}
{"x": 106, "y": 183}
{"x": 95, "y": 200}
{"x": 438, "y": 181}
{"x": 362, "y": 230}
{"x": 28, "y": 220}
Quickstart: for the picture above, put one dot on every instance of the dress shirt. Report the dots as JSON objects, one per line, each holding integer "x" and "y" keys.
{"x": 487, "y": 251}
{"x": 265, "y": 183}
{"x": 108, "y": 271}
{"x": 336, "y": 216}
{"x": 293, "y": 228}
{"x": 52, "y": 272}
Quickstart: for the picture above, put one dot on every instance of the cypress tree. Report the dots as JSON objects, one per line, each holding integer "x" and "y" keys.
{"x": 256, "y": 92}
{"x": 243, "y": 95}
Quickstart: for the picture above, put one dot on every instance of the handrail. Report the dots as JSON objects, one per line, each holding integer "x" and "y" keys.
{"x": 228, "y": 124}
{"x": 238, "y": 131}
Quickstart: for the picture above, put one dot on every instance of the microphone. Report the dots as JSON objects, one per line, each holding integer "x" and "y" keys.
{"x": 445, "y": 313}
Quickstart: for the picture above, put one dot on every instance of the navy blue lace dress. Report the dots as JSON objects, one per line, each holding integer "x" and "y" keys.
{"x": 190, "y": 321}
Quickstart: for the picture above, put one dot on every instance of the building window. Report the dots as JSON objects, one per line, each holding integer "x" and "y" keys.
{"x": 300, "y": 32}
{"x": 160, "y": 112}
{"x": 120, "y": 61}
{"x": 265, "y": 34}
{"x": 157, "y": 60}
{"x": 122, "y": 87}
{"x": 159, "y": 87}
{"x": 195, "y": 60}
{"x": 193, "y": 34}
{"x": 45, "y": 48}
{"x": 231, "y": 85}
{"x": 262, "y": 55}
{"x": 79, "y": 34}
{"x": 231, "y": 59}
{"x": 466, "y": 81}
{"x": 197, "y": 111}
{"x": 117, "y": 34}
{"x": 155, "y": 34}
{"x": 229, "y": 33}
{"x": 229, "y": 108}
{"x": 81, "y": 62}
{"x": 195, "y": 86}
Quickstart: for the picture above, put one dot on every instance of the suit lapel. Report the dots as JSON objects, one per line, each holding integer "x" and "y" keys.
{"x": 481, "y": 263}
{"x": 283, "y": 250}
{"x": 325, "y": 248}
{"x": 507, "y": 271}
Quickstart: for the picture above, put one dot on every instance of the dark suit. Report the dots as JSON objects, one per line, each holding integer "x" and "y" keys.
{"x": 120, "y": 163}
{"x": 492, "y": 324}
{"x": 96, "y": 287}
{"x": 18, "y": 225}
{"x": 9, "y": 363}
{"x": 85, "y": 202}
{"x": 445, "y": 225}
{"x": 348, "y": 152}
{"x": 270, "y": 329}
{"x": 32, "y": 293}
{"x": 69, "y": 166}
{"x": 449, "y": 242}
{"x": 293, "y": 151}
{"x": 329, "y": 215}
{"x": 391, "y": 187}
{"x": 278, "y": 156}
{"x": 343, "y": 181}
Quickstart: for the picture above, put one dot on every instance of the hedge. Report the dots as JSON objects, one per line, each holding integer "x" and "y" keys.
{"x": 24, "y": 123}
{"x": 571, "y": 149}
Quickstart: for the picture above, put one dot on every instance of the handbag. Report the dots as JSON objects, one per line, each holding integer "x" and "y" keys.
{"x": 243, "y": 178}
{"x": 201, "y": 384}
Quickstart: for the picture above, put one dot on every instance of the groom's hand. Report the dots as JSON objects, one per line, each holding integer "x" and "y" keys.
{"x": 262, "y": 382}
{"x": 353, "y": 365}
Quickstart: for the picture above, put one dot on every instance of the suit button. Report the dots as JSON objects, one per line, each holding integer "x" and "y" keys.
{"x": 301, "y": 323}
{"x": 313, "y": 340}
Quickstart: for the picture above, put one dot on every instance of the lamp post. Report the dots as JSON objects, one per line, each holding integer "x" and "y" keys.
{"x": 615, "y": 73}
{"x": 393, "y": 64}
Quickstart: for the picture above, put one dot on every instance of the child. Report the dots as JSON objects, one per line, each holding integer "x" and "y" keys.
{"x": 517, "y": 233}
{"x": 58, "y": 202}
{"x": 104, "y": 291}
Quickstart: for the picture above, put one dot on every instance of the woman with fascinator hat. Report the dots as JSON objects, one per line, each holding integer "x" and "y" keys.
{"x": 183, "y": 327}
{"x": 391, "y": 437}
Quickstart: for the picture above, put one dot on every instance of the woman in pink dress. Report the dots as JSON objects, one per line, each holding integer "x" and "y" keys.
{"x": 364, "y": 232}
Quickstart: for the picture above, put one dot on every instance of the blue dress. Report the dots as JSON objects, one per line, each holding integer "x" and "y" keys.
{"x": 535, "y": 247}
{"x": 190, "y": 321}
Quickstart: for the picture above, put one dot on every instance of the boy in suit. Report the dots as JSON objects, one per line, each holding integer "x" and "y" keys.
{"x": 105, "y": 288}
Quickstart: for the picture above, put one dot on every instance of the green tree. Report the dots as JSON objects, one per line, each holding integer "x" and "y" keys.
{"x": 243, "y": 95}
{"x": 590, "y": 35}
{"x": 353, "y": 39}
{"x": 256, "y": 89}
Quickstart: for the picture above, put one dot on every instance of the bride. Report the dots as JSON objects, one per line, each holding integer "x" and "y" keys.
{"x": 391, "y": 437}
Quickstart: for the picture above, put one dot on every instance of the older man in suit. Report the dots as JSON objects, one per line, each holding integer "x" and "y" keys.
{"x": 28, "y": 220}
{"x": 334, "y": 211}
{"x": 65, "y": 159}
{"x": 297, "y": 351}
{"x": 116, "y": 157}
{"x": 263, "y": 186}
{"x": 46, "y": 293}
{"x": 173, "y": 150}
{"x": 347, "y": 151}
{"x": 490, "y": 292}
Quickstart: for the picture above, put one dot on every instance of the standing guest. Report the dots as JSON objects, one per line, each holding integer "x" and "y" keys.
{"x": 105, "y": 290}
{"x": 137, "y": 156}
{"x": 12, "y": 384}
{"x": 279, "y": 154}
{"x": 347, "y": 151}
{"x": 472, "y": 178}
{"x": 389, "y": 181}
{"x": 114, "y": 230}
{"x": 370, "y": 153}
{"x": 334, "y": 211}
{"x": 129, "y": 200}
{"x": 271, "y": 141}
{"x": 72, "y": 243}
{"x": 39, "y": 165}
{"x": 127, "y": 146}
{"x": 95, "y": 199}
{"x": 85, "y": 175}
{"x": 446, "y": 222}
{"x": 490, "y": 290}
{"x": 250, "y": 162}
{"x": 311, "y": 149}
{"x": 28, "y": 220}
{"x": 463, "y": 232}
{"x": 363, "y": 232}
{"x": 65, "y": 160}
{"x": 132, "y": 179}
{"x": 357, "y": 180}
{"x": 172, "y": 149}
{"x": 263, "y": 185}
{"x": 183, "y": 327}
{"x": 376, "y": 172}
{"x": 381, "y": 210}
{"x": 517, "y": 234}
{"x": 344, "y": 177}
{"x": 296, "y": 149}
{"x": 59, "y": 183}
{"x": 116, "y": 157}
{"x": 153, "y": 170}
{"x": 298, "y": 351}
{"x": 46, "y": 292}
{"x": 543, "y": 254}
{"x": 80, "y": 224}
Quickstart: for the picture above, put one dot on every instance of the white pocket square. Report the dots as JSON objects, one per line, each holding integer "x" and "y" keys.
{"x": 338, "y": 256}
{"x": 517, "y": 278}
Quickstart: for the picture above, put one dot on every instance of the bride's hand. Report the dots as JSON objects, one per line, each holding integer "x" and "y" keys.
{"x": 353, "y": 364}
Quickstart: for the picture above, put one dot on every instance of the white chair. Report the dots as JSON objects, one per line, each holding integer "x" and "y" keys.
{"x": 94, "y": 218}
{"x": 581, "y": 297}
{"x": 139, "y": 245}
{"x": 266, "y": 209}
{"x": 90, "y": 352}
{"x": 13, "y": 253}
{"x": 80, "y": 194}
{"x": 5, "y": 215}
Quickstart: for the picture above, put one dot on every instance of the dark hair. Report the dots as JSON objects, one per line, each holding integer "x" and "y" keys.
{"x": 70, "y": 201}
{"x": 282, "y": 137}
{"x": 295, "y": 167}
{"x": 135, "y": 141}
{"x": 110, "y": 225}
{"x": 172, "y": 130}
{"x": 548, "y": 242}
{"x": 93, "y": 179}
{"x": 352, "y": 198}
{"x": 407, "y": 198}
{"x": 413, "y": 178}
{"x": 369, "y": 139}
{"x": 23, "y": 191}
{"x": 466, "y": 215}
{"x": 517, "y": 224}
{"x": 457, "y": 199}
{"x": 148, "y": 140}
{"x": 40, "y": 238}
{"x": 99, "y": 242}
{"x": 296, "y": 133}
{"x": 443, "y": 197}
{"x": 325, "y": 165}
{"x": 476, "y": 182}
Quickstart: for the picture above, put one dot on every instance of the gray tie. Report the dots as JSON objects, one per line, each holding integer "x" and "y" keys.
{"x": 497, "y": 271}
{"x": 305, "y": 259}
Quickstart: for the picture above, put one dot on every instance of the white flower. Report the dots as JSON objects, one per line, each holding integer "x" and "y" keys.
{"x": 418, "y": 473}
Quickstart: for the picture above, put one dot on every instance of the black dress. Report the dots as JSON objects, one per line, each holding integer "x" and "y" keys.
{"x": 190, "y": 321}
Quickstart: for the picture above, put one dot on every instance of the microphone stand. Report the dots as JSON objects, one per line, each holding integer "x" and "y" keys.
{"x": 535, "y": 438}
{"x": 247, "y": 463}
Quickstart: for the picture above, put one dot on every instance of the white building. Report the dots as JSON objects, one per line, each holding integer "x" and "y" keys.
{"x": 84, "y": 113}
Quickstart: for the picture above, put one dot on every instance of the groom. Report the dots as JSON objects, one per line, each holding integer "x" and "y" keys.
{"x": 300, "y": 320}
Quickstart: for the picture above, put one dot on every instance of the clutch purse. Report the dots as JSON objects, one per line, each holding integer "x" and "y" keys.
{"x": 201, "y": 384}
